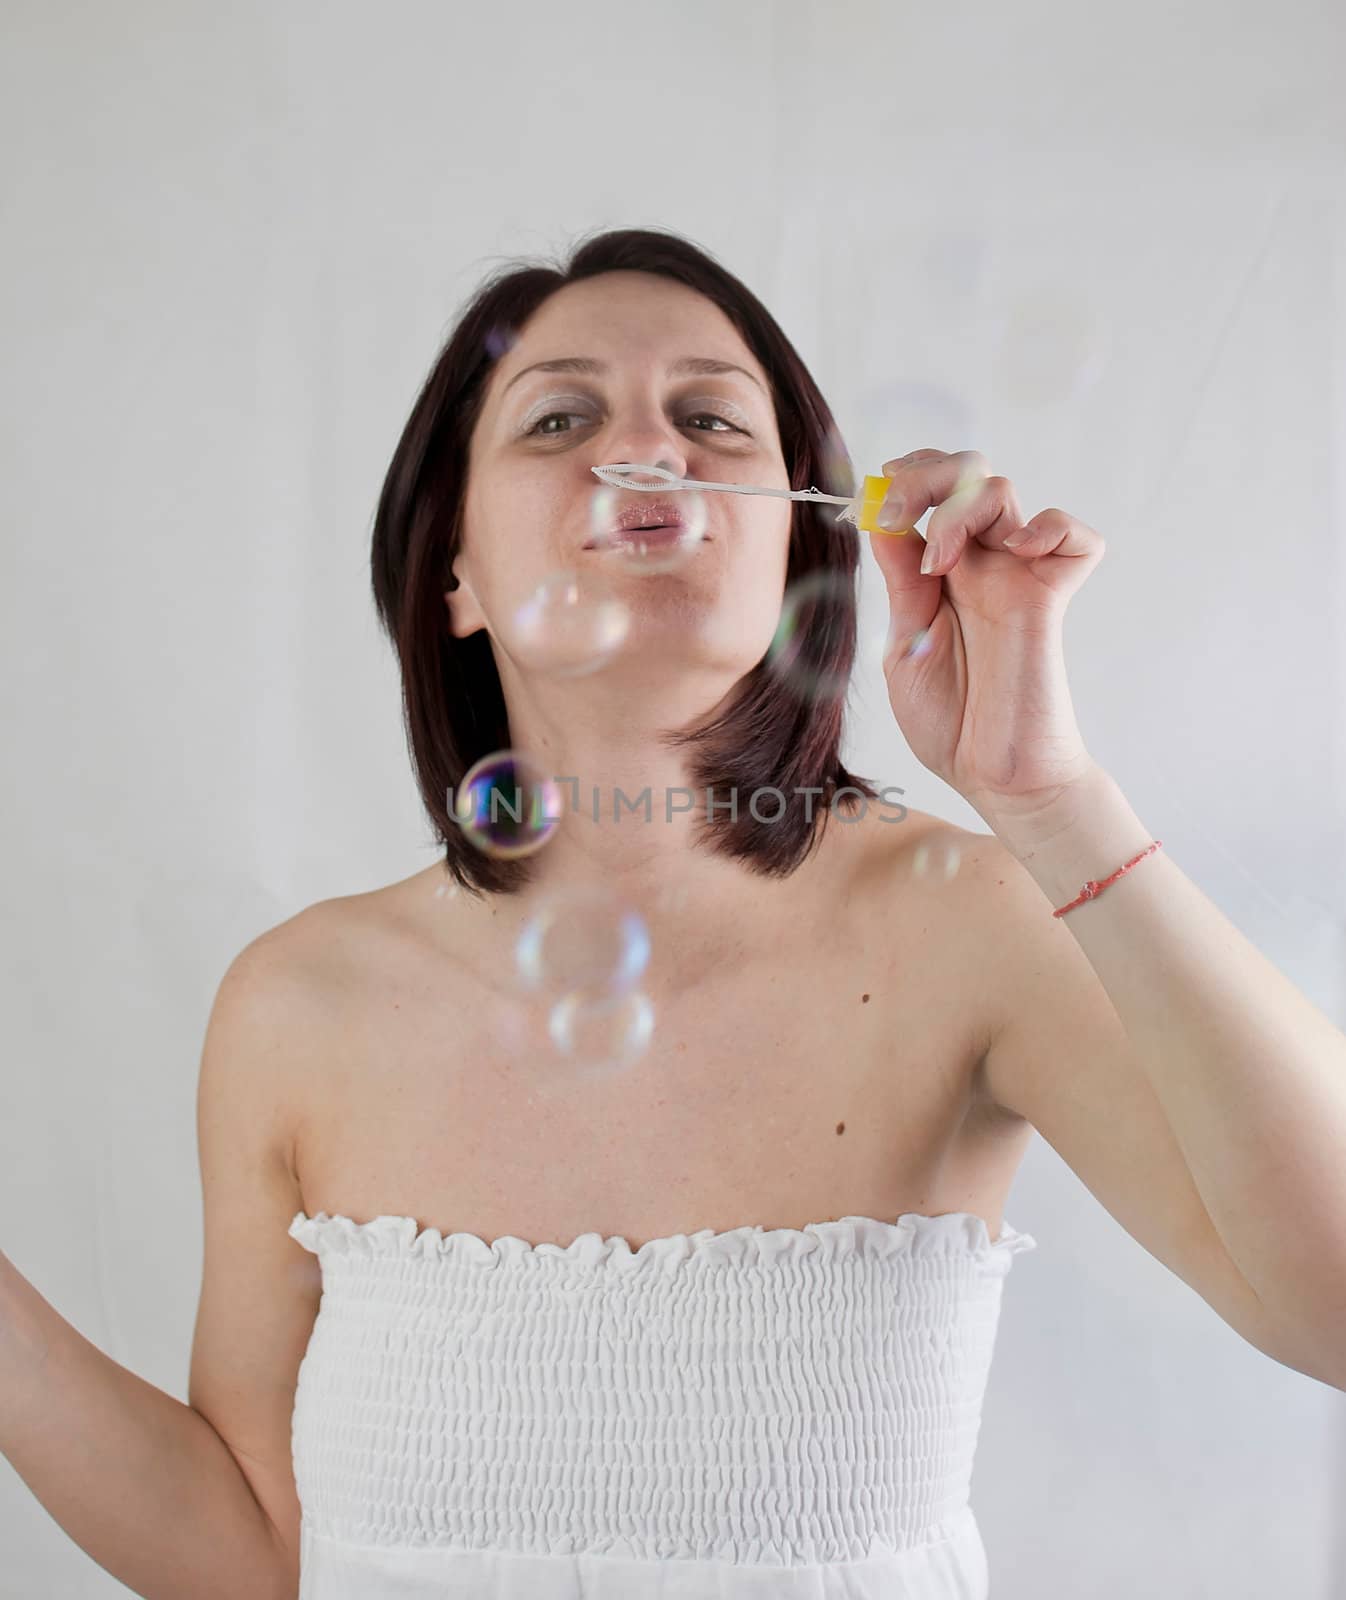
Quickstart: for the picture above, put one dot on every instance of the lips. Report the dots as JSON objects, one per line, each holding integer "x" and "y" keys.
{"x": 661, "y": 519}
{"x": 652, "y": 514}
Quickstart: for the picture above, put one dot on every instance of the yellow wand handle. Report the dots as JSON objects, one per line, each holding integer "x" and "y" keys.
{"x": 871, "y": 498}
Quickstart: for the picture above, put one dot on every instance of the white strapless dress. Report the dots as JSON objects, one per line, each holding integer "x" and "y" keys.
{"x": 784, "y": 1413}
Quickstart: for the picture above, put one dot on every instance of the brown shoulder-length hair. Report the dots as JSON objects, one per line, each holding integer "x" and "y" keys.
{"x": 767, "y": 734}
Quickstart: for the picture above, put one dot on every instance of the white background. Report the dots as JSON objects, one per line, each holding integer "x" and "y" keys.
{"x": 1105, "y": 246}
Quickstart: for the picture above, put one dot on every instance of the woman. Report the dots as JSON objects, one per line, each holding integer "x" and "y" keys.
{"x": 717, "y": 1323}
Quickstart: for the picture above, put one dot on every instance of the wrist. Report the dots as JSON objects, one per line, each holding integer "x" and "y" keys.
{"x": 1027, "y": 823}
{"x": 1081, "y": 836}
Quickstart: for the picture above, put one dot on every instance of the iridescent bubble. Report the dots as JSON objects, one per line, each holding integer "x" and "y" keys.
{"x": 604, "y": 1034}
{"x": 838, "y": 473}
{"x": 584, "y": 939}
{"x": 955, "y": 270}
{"x": 673, "y": 897}
{"x": 815, "y": 612}
{"x": 1053, "y": 346}
{"x": 906, "y": 414}
{"x": 936, "y": 859}
{"x": 875, "y": 633}
{"x": 499, "y": 340}
{"x": 906, "y": 646}
{"x": 506, "y": 806}
{"x": 568, "y": 626}
{"x": 655, "y": 551}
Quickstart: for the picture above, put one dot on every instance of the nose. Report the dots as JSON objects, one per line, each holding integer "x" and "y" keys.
{"x": 652, "y": 442}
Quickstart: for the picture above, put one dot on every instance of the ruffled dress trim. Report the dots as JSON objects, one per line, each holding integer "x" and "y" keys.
{"x": 960, "y": 1233}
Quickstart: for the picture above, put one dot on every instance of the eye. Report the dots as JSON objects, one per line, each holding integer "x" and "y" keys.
{"x": 538, "y": 429}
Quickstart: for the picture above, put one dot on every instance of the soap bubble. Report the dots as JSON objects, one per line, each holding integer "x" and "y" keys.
{"x": 586, "y": 939}
{"x": 568, "y": 626}
{"x": 602, "y": 1034}
{"x": 659, "y": 551}
{"x": 906, "y": 414}
{"x": 815, "y": 611}
{"x": 505, "y": 806}
{"x": 838, "y": 472}
{"x": 906, "y": 646}
{"x": 673, "y": 897}
{"x": 1051, "y": 347}
{"x": 936, "y": 859}
{"x": 956, "y": 267}
{"x": 500, "y": 340}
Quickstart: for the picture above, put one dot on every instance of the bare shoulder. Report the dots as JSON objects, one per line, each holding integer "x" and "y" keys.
{"x": 320, "y": 950}
{"x": 954, "y": 890}
{"x": 322, "y": 965}
{"x": 290, "y": 966}
{"x": 949, "y": 864}
{"x": 291, "y": 986}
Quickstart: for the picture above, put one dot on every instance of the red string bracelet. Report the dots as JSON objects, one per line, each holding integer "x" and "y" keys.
{"x": 1095, "y": 887}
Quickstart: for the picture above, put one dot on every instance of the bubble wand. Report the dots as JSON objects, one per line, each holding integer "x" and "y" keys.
{"x": 859, "y": 509}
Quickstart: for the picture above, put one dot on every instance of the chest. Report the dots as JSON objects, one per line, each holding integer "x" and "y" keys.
{"x": 805, "y": 1080}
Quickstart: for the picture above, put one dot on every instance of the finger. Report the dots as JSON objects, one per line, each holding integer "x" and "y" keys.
{"x": 987, "y": 511}
{"x": 913, "y": 599}
{"x": 889, "y": 468}
{"x": 926, "y": 478}
{"x": 1055, "y": 532}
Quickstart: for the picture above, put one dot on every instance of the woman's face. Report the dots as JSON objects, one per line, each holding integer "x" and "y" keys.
{"x": 530, "y": 502}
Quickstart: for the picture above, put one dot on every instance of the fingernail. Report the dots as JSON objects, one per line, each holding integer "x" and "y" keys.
{"x": 1014, "y": 540}
{"x": 929, "y": 559}
{"x": 890, "y": 518}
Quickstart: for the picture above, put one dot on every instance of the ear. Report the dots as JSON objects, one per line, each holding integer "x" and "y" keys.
{"x": 465, "y": 614}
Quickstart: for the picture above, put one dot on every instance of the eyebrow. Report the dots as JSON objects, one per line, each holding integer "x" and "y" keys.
{"x": 700, "y": 366}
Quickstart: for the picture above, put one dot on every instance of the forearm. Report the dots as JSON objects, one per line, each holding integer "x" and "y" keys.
{"x": 141, "y": 1482}
{"x": 1251, "y": 1076}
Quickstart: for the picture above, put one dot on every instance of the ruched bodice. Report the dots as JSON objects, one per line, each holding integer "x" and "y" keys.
{"x": 781, "y": 1412}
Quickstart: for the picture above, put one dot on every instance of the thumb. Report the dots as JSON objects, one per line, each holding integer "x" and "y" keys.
{"x": 913, "y": 598}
